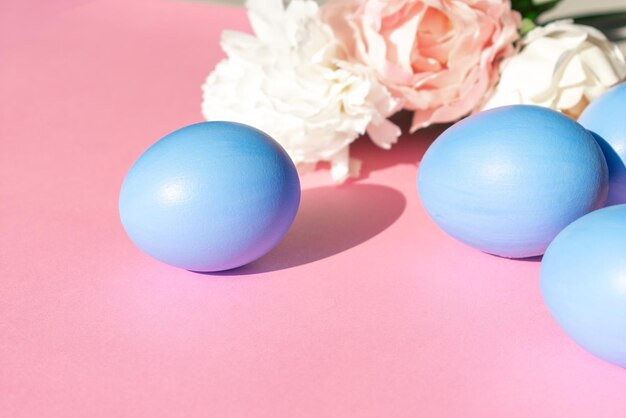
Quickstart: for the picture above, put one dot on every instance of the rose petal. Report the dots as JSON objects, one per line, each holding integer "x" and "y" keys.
{"x": 562, "y": 66}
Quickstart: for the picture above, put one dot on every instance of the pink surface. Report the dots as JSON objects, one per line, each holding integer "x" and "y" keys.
{"x": 365, "y": 310}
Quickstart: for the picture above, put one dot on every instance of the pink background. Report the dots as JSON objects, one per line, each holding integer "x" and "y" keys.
{"x": 365, "y": 310}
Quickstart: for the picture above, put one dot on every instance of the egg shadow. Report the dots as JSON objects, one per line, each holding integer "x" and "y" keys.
{"x": 330, "y": 220}
{"x": 531, "y": 259}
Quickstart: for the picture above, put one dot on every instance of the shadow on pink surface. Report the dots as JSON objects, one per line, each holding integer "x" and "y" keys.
{"x": 534, "y": 259}
{"x": 331, "y": 220}
{"x": 409, "y": 149}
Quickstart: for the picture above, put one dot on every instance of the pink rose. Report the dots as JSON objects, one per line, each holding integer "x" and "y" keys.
{"x": 439, "y": 57}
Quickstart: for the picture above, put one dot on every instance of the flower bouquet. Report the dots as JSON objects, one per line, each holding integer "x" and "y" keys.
{"x": 316, "y": 78}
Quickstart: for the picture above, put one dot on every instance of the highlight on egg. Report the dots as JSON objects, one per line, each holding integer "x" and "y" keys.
{"x": 506, "y": 181}
{"x": 210, "y": 197}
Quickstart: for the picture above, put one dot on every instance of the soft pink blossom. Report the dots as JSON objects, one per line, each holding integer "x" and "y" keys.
{"x": 440, "y": 57}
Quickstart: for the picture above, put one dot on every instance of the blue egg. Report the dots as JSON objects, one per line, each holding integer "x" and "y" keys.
{"x": 209, "y": 197}
{"x": 508, "y": 180}
{"x": 583, "y": 282}
{"x": 605, "y": 117}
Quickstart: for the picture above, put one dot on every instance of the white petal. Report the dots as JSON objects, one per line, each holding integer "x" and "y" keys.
{"x": 562, "y": 66}
{"x": 383, "y": 133}
{"x": 261, "y": 14}
{"x": 343, "y": 167}
{"x": 573, "y": 73}
{"x": 600, "y": 65}
{"x": 570, "y": 97}
{"x": 503, "y": 97}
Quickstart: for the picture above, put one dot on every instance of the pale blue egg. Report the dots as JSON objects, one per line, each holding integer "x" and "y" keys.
{"x": 583, "y": 282}
{"x": 605, "y": 117}
{"x": 508, "y": 180}
{"x": 209, "y": 197}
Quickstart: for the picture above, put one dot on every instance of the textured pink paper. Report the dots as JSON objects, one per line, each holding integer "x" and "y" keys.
{"x": 367, "y": 309}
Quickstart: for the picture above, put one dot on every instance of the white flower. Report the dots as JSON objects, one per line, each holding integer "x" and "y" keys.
{"x": 291, "y": 80}
{"x": 563, "y": 66}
